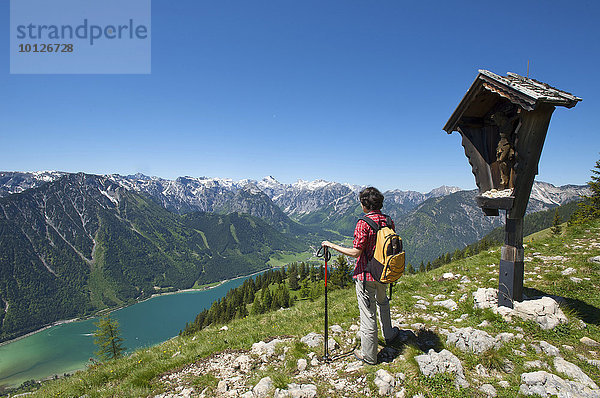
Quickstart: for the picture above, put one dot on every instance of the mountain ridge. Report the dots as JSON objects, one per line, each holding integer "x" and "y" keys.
{"x": 83, "y": 243}
{"x": 316, "y": 210}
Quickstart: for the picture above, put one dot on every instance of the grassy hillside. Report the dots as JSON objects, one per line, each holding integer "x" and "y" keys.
{"x": 185, "y": 362}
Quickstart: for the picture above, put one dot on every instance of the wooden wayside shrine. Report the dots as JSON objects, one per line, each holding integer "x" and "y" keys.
{"x": 503, "y": 122}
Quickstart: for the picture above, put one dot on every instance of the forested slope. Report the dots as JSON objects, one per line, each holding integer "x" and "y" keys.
{"x": 83, "y": 243}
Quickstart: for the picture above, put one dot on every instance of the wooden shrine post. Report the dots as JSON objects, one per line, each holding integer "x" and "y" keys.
{"x": 503, "y": 122}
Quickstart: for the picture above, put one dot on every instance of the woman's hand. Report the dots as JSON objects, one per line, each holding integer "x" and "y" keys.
{"x": 348, "y": 251}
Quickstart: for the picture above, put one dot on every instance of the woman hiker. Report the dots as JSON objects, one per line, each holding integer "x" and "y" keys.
{"x": 372, "y": 295}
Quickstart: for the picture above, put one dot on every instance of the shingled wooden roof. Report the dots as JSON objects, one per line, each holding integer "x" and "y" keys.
{"x": 522, "y": 91}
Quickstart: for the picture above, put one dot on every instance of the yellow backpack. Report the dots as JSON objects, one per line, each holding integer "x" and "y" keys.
{"x": 387, "y": 264}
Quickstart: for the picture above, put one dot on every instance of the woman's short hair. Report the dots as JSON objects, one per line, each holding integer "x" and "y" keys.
{"x": 371, "y": 198}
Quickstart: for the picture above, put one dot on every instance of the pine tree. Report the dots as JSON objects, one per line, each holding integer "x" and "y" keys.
{"x": 242, "y": 311}
{"x": 293, "y": 279}
{"x": 257, "y": 307}
{"x": 312, "y": 274}
{"x": 305, "y": 291}
{"x": 107, "y": 338}
{"x": 267, "y": 298}
{"x": 303, "y": 271}
{"x": 286, "y": 297}
{"x": 593, "y": 201}
{"x": 277, "y": 300}
{"x": 590, "y": 207}
{"x": 341, "y": 274}
{"x": 556, "y": 228}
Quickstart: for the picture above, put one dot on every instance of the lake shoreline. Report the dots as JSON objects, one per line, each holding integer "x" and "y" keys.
{"x": 101, "y": 312}
{"x": 57, "y": 323}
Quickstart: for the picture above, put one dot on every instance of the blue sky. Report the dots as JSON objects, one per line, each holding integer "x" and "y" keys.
{"x": 307, "y": 90}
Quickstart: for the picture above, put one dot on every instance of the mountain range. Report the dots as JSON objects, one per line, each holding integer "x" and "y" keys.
{"x": 82, "y": 243}
{"x": 432, "y": 223}
{"x": 290, "y": 208}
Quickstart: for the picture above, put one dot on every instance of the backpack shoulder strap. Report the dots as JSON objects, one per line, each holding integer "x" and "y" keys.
{"x": 389, "y": 222}
{"x": 374, "y": 226}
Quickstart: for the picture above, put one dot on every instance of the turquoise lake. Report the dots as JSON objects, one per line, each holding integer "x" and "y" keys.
{"x": 69, "y": 347}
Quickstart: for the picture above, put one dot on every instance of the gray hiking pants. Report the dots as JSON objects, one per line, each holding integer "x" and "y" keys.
{"x": 376, "y": 294}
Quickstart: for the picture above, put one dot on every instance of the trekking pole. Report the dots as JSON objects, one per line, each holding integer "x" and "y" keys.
{"x": 324, "y": 252}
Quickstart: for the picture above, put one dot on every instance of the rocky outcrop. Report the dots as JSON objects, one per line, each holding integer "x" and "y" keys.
{"x": 434, "y": 363}
{"x": 545, "y": 384}
{"x": 544, "y": 311}
{"x": 476, "y": 341}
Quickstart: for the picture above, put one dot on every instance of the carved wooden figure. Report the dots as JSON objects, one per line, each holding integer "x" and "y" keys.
{"x": 503, "y": 122}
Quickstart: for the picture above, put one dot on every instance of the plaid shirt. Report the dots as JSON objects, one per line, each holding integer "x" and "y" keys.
{"x": 365, "y": 238}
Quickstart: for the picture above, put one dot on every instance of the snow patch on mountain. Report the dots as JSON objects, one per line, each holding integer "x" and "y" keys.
{"x": 186, "y": 194}
{"x": 555, "y": 196}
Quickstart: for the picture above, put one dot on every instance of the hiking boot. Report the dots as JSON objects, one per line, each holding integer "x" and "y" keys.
{"x": 395, "y": 334}
{"x": 359, "y": 356}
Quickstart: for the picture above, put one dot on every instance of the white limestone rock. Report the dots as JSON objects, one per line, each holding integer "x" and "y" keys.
{"x": 448, "y": 276}
{"x": 433, "y": 363}
{"x": 488, "y": 390}
{"x": 222, "y": 387}
{"x": 243, "y": 363}
{"x": 332, "y": 344}
{"x": 472, "y": 340}
{"x": 297, "y": 391}
{"x": 449, "y": 304}
{"x": 302, "y": 364}
{"x": 549, "y": 349}
{"x": 561, "y": 259}
{"x": 312, "y": 339}
{"x": 595, "y": 259}
{"x": 537, "y": 364}
{"x": 263, "y": 388}
{"x": 486, "y": 298}
{"x": 265, "y": 350}
{"x": 574, "y": 372}
{"x": 504, "y": 337}
{"x": 314, "y": 361}
{"x": 337, "y": 329}
{"x": 481, "y": 370}
{"x": 544, "y": 311}
{"x": 384, "y": 381}
{"x": 547, "y": 384}
{"x": 589, "y": 342}
{"x": 353, "y": 366}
